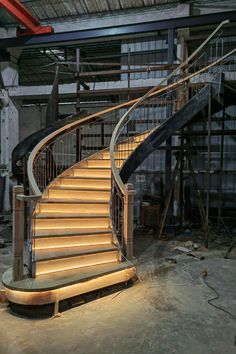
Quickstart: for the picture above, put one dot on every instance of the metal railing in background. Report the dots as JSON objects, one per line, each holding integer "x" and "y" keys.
{"x": 156, "y": 107}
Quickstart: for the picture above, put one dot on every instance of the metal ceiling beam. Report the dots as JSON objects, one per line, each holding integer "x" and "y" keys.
{"x": 24, "y": 16}
{"x": 69, "y": 38}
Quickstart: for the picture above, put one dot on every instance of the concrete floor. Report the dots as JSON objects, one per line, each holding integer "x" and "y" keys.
{"x": 165, "y": 312}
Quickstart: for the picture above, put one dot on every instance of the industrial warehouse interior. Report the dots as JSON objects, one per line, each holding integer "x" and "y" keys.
{"x": 117, "y": 176}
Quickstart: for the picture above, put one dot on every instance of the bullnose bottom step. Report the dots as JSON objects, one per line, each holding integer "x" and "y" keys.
{"x": 53, "y": 287}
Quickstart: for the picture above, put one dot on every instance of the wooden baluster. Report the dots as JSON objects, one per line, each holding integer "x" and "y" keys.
{"x": 128, "y": 220}
{"x": 18, "y": 234}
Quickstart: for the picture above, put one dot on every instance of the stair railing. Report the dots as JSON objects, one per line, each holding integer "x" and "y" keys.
{"x": 64, "y": 147}
{"x": 146, "y": 114}
{"x": 61, "y": 150}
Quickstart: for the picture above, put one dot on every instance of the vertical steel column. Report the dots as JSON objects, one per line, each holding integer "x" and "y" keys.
{"x": 221, "y": 167}
{"x": 78, "y": 79}
{"x": 129, "y": 61}
{"x": 208, "y": 169}
{"x": 78, "y": 131}
{"x": 181, "y": 185}
{"x": 168, "y": 159}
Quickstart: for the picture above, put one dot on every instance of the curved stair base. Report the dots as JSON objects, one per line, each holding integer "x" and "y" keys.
{"x": 48, "y": 289}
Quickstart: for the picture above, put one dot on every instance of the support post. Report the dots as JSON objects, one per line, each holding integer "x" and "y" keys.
{"x": 9, "y": 121}
{"x": 221, "y": 167}
{"x": 129, "y": 61}
{"x": 78, "y": 131}
{"x": 168, "y": 159}
{"x": 128, "y": 225}
{"x": 208, "y": 169}
{"x": 18, "y": 234}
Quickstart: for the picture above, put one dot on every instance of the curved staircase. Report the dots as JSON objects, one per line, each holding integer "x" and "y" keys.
{"x": 81, "y": 213}
{"x": 72, "y": 232}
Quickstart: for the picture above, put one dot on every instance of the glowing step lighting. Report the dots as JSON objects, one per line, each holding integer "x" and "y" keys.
{"x": 75, "y": 262}
{"x": 52, "y": 247}
{"x": 76, "y": 208}
{"x": 85, "y": 183}
{"x": 98, "y": 163}
{"x": 72, "y": 241}
{"x": 118, "y": 155}
{"x": 48, "y": 289}
{"x": 91, "y": 172}
{"x": 63, "y": 193}
{"x": 71, "y": 223}
{"x": 72, "y": 232}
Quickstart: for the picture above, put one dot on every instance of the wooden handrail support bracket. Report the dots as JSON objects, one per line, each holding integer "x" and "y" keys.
{"x": 129, "y": 220}
{"x": 18, "y": 234}
{"x": 18, "y": 230}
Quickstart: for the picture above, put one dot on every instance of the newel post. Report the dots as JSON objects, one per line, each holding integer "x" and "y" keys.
{"x": 18, "y": 234}
{"x": 128, "y": 220}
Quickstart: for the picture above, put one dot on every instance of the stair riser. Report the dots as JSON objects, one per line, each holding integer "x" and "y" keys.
{"x": 70, "y": 241}
{"x": 75, "y": 262}
{"x": 74, "y": 194}
{"x": 69, "y": 223}
{"x": 85, "y": 183}
{"x": 73, "y": 208}
{"x": 127, "y": 147}
{"x": 140, "y": 137}
{"x": 65, "y": 292}
{"x": 86, "y": 172}
{"x": 99, "y": 163}
{"x": 118, "y": 155}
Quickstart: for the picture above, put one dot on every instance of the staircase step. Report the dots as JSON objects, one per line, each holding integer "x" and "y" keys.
{"x": 71, "y": 222}
{"x": 126, "y": 146}
{"x": 91, "y": 172}
{"x": 76, "y": 193}
{"x": 70, "y": 201}
{"x": 42, "y": 255}
{"x": 65, "y": 207}
{"x": 71, "y": 232}
{"x": 88, "y": 178}
{"x": 48, "y": 261}
{"x": 77, "y": 182}
{"x": 56, "y": 215}
{"x": 118, "y": 155}
{"x": 98, "y": 163}
{"x": 141, "y": 137}
{"x": 53, "y": 241}
{"x": 94, "y": 183}
{"x": 64, "y": 284}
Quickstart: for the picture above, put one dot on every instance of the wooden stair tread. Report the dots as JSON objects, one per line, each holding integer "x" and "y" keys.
{"x": 58, "y": 253}
{"x": 63, "y": 278}
{"x": 80, "y": 188}
{"x": 85, "y": 177}
{"x": 74, "y": 201}
{"x": 70, "y": 232}
{"x": 53, "y": 215}
{"x": 90, "y": 168}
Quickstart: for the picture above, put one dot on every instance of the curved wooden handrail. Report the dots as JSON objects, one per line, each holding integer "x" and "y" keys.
{"x": 43, "y": 143}
{"x": 49, "y": 138}
{"x": 149, "y": 94}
